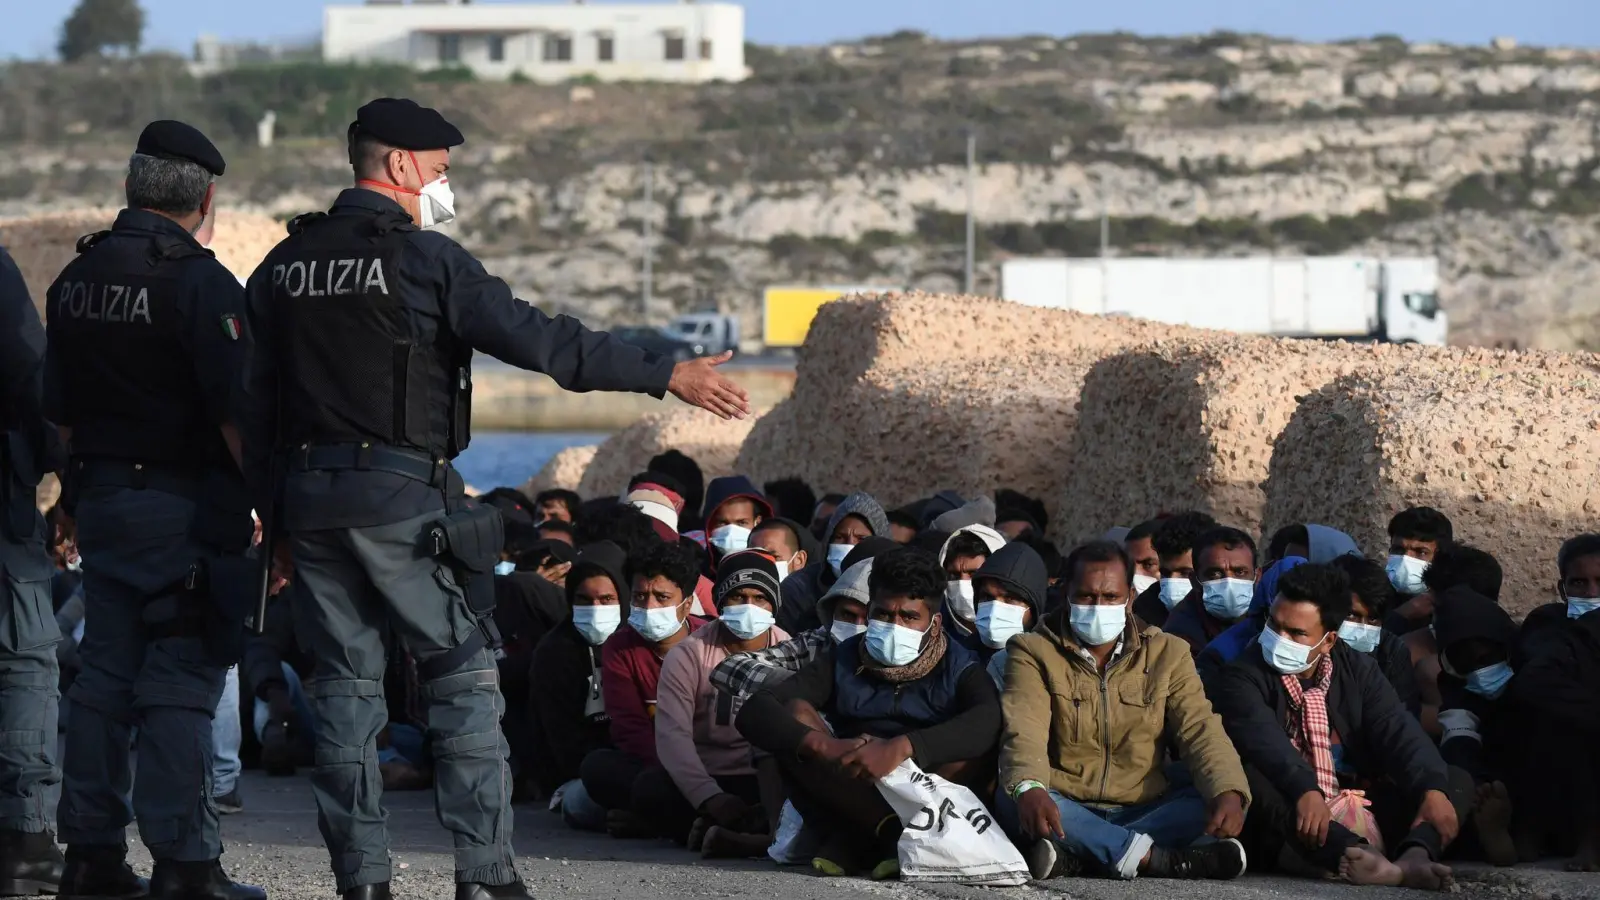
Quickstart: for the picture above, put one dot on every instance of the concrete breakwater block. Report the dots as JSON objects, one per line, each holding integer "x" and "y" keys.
{"x": 564, "y": 471}
{"x": 710, "y": 441}
{"x": 1511, "y": 454}
{"x": 902, "y": 395}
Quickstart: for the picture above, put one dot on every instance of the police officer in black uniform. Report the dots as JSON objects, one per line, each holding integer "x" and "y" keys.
{"x": 147, "y": 347}
{"x": 360, "y": 392}
{"x": 29, "y": 674}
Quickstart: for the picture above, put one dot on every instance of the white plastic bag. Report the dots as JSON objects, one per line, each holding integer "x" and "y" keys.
{"x": 793, "y": 845}
{"x": 950, "y": 837}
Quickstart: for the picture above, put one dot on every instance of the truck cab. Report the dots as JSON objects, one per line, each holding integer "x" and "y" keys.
{"x": 705, "y": 333}
{"x": 1408, "y": 302}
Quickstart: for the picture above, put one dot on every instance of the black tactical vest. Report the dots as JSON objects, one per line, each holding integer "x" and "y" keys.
{"x": 128, "y": 385}
{"x": 353, "y": 366}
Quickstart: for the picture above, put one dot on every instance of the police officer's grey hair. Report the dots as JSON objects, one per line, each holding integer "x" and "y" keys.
{"x": 172, "y": 186}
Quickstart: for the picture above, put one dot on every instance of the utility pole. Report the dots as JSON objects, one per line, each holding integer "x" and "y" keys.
{"x": 644, "y": 232}
{"x": 1105, "y": 218}
{"x": 972, "y": 195}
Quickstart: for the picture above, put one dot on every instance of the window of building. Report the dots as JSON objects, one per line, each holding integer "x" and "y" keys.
{"x": 705, "y": 48}
{"x": 497, "y": 48}
{"x": 675, "y": 48}
{"x": 449, "y": 48}
{"x": 605, "y": 49}
{"x": 558, "y": 48}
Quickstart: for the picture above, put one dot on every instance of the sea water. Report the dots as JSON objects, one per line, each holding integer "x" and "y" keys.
{"x": 509, "y": 458}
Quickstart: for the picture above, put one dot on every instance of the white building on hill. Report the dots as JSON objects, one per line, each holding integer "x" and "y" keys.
{"x": 545, "y": 42}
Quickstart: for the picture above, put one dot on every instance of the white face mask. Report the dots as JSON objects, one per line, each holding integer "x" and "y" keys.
{"x": 1142, "y": 583}
{"x": 505, "y": 567}
{"x": 1405, "y": 573}
{"x": 958, "y": 598}
{"x": 844, "y": 631}
{"x": 730, "y": 538}
{"x": 893, "y": 645}
{"x": 1228, "y": 598}
{"x": 596, "y": 623}
{"x": 1360, "y": 637}
{"x": 1098, "y": 625}
{"x": 437, "y": 202}
{"x": 999, "y": 622}
{"x": 1284, "y": 655}
{"x": 656, "y": 624}
{"x": 783, "y": 570}
{"x": 836, "y": 555}
{"x": 747, "y": 621}
{"x": 1175, "y": 591}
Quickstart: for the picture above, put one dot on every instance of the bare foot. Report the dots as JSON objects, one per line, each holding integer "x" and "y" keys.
{"x": 1588, "y": 858}
{"x": 1492, "y": 817}
{"x": 1363, "y": 865}
{"x": 1422, "y": 873}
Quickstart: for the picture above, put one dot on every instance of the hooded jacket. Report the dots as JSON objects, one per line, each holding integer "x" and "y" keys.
{"x": 734, "y": 487}
{"x": 1021, "y": 571}
{"x": 978, "y": 512}
{"x": 1104, "y": 739}
{"x": 939, "y": 504}
{"x": 802, "y": 589}
{"x": 1477, "y": 733}
{"x": 958, "y": 632}
{"x": 565, "y": 675}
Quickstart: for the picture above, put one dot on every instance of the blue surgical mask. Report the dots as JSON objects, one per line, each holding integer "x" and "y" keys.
{"x": 747, "y": 621}
{"x": 1578, "y": 608}
{"x": 999, "y": 622}
{"x": 1174, "y": 591}
{"x": 1405, "y": 573}
{"x": 893, "y": 645}
{"x": 1360, "y": 637}
{"x": 1490, "y": 681}
{"x": 504, "y": 567}
{"x": 836, "y": 555}
{"x": 1283, "y": 655}
{"x": 844, "y": 631}
{"x": 1097, "y": 625}
{"x": 730, "y": 539}
{"x": 656, "y": 624}
{"x": 1228, "y": 598}
{"x": 596, "y": 623}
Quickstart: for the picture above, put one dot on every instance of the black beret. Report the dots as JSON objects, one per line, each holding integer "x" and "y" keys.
{"x": 406, "y": 125}
{"x": 167, "y": 139}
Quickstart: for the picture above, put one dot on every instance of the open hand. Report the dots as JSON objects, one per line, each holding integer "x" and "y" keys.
{"x": 555, "y": 572}
{"x": 1039, "y": 815}
{"x": 698, "y": 383}
{"x": 875, "y": 758}
{"x": 1225, "y": 816}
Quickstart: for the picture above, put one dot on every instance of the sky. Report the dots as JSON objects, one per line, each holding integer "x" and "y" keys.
{"x": 31, "y": 26}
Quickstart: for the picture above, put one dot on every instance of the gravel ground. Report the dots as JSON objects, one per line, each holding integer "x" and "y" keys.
{"x": 275, "y": 843}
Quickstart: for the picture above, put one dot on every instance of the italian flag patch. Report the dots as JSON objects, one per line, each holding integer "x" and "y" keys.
{"x": 230, "y": 326}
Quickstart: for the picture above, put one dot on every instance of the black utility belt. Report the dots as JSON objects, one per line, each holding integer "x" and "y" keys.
{"x": 92, "y": 472}
{"x": 368, "y": 457}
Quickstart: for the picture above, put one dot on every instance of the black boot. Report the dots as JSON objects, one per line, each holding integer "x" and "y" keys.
{"x": 172, "y": 880}
{"x": 30, "y": 863}
{"x": 513, "y": 891}
{"x": 100, "y": 872}
{"x": 368, "y": 892}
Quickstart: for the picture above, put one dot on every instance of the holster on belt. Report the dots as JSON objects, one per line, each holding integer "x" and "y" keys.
{"x": 212, "y": 602}
{"x": 468, "y": 540}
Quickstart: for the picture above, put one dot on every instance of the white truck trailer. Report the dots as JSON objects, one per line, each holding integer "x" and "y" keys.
{"x": 1350, "y": 297}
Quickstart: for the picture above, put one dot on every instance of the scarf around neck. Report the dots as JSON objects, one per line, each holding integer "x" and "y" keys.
{"x": 1309, "y": 728}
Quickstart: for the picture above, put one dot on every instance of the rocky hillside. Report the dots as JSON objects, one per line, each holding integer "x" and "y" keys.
{"x": 846, "y": 163}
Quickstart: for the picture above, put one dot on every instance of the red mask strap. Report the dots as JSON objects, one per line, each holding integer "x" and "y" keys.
{"x": 395, "y": 187}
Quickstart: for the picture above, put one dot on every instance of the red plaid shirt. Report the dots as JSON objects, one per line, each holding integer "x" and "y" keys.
{"x": 1309, "y": 729}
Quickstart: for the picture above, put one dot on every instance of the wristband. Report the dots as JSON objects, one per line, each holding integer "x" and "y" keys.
{"x": 1023, "y": 787}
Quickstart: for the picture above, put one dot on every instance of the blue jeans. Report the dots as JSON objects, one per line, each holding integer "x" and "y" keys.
{"x": 1117, "y": 838}
{"x": 304, "y": 722}
{"x": 579, "y": 810}
{"x": 407, "y": 743}
{"x": 226, "y": 733}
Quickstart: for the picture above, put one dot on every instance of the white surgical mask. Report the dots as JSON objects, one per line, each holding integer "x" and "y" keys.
{"x": 836, "y": 555}
{"x": 998, "y": 622}
{"x": 1284, "y": 655}
{"x": 958, "y": 599}
{"x": 1097, "y": 625}
{"x": 746, "y": 620}
{"x": 1490, "y": 681}
{"x": 505, "y": 567}
{"x": 438, "y": 203}
{"x": 783, "y": 569}
{"x": 655, "y": 624}
{"x": 1175, "y": 591}
{"x": 1142, "y": 583}
{"x": 1228, "y": 598}
{"x": 596, "y": 623}
{"x": 1578, "y": 608}
{"x": 844, "y": 631}
{"x": 893, "y": 645}
{"x": 731, "y": 538}
{"x": 1405, "y": 573}
{"x": 1360, "y": 636}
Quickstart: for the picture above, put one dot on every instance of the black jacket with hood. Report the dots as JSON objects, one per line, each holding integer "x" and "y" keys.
{"x": 1021, "y": 571}
{"x": 1478, "y": 732}
{"x": 1380, "y": 738}
{"x": 560, "y": 674}
{"x": 802, "y": 589}
{"x": 720, "y": 491}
